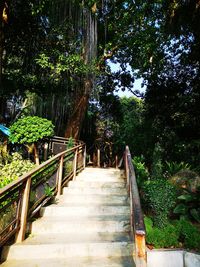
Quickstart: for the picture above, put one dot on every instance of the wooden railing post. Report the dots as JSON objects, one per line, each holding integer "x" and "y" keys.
{"x": 60, "y": 173}
{"x": 116, "y": 162}
{"x": 84, "y": 157}
{"x": 140, "y": 247}
{"x": 20, "y": 236}
{"x": 98, "y": 157}
{"x": 75, "y": 163}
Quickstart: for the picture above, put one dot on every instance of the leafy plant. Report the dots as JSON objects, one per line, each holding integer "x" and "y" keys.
{"x": 180, "y": 233}
{"x": 188, "y": 234}
{"x": 70, "y": 143}
{"x": 141, "y": 171}
{"x": 188, "y": 205}
{"x": 29, "y": 130}
{"x": 48, "y": 191}
{"x": 160, "y": 198}
{"x": 15, "y": 169}
{"x": 187, "y": 184}
{"x": 161, "y": 238}
{"x": 171, "y": 168}
{"x": 68, "y": 167}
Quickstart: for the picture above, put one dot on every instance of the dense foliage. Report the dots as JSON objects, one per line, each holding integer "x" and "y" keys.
{"x": 30, "y": 130}
{"x": 180, "y": 234}
{"x": 14, "y": 169}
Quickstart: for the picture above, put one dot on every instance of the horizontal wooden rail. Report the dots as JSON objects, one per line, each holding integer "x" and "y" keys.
{"x": 22, "y": 198}
{"x": 137, "y": 219}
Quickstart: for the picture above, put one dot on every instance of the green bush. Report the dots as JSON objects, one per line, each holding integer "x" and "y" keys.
{"x": 15, "y": 169}
{"x": 30, "y": 129}
{"x": 171, "y": 168}
{"x": 161, "y": 238}
{"x": 187, "y": 183}
{"x": 160, "y": 198}
{"x": 188, "y": 205}
{"x": 70, "y": 143}
{"x": 189, "y": 234}
{"x": 141, "y": 171}
{"x": 178, "y": 234}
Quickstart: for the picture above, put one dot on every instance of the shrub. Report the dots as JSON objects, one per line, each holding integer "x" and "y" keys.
{"x": 188, "y": 205}
{"x": 70, "y": 143}
{"x": 161, "y": 238}
{"x": 178, "y": 234}
{"x": 29, "y": 130}
{"x": 141, "y": 171}
{"x": 186, "y": 179}
{"x": 15, "y": 169}
{"x": 188, "y": 188}
{"x": 160, "y": 197}
{"x": 189, "y": 235}
{"x": 171, "y": 168}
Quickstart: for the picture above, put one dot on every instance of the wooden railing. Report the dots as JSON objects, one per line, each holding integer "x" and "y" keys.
{"x": 137, "y": 220}
{"x": 22, "y": 199}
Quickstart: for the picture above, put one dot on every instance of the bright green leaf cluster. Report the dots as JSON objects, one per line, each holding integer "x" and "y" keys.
{"x": 15, "y": 169}
{"x": 30, "y": 129}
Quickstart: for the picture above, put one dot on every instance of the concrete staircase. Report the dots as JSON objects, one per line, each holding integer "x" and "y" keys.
{"x": 87, "y": 226}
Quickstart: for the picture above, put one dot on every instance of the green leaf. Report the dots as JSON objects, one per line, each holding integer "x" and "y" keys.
{"x": 181, "y": 209}
{"x": 186, "y": 197}
{"x": 195, "y": 214}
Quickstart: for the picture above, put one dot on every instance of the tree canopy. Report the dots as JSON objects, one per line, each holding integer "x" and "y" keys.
{"x": 55, "y": 57}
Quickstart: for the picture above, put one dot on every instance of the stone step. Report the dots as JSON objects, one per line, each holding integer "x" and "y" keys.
{"x": 109, "y": 224}
{"x": 92, "y": 249}
{"x": 95, "y": 191}
{"x": 78, "y": 237}
{"x": 105, "y": 173}
{"x": 89, "y": 225}
{"x": 102, "y": 170}
{"x": 82, "y": 210}
{"x": 89, "y": 199}
{"x": 96, "y": 184}
{"x": 99, "y": 177}
{"x": 73, "y": 262}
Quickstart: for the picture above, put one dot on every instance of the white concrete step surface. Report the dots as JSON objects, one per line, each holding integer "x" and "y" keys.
{"x": 92, "y": 198}
{"x": 96, "y": 184}
{"x": 76, "y": 224}
{"x": 95, "y": 191}
{"x": 58, "y": 210}
{"x": 89, "y": 225}
{"x": 92, "y": 249}
{"x": 73, "y": 262}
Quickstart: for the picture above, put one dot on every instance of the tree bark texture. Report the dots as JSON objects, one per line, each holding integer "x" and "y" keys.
{"x": 80, "y": 106}
{"x": 36, "y": 155}
{"x": 89, "y": 53}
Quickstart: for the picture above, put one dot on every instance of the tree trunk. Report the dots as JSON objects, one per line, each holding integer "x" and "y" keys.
{"x": 80, "y": 106}
{"x": 36, "y": 155}
{"x": 89, "y": 54}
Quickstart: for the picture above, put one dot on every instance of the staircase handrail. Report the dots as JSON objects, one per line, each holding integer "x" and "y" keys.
{"x": 15, "y": 198}
{"x": 137, "y": 219}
